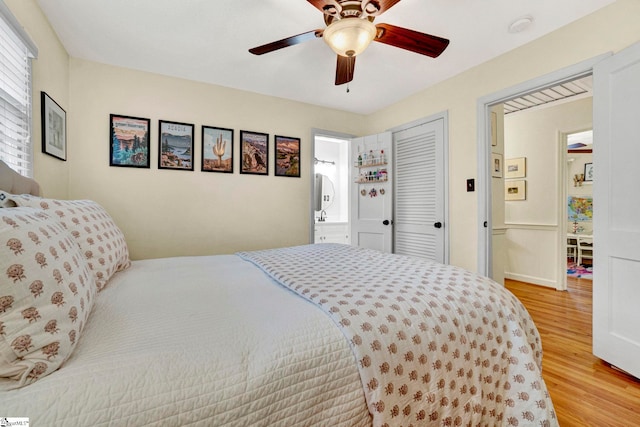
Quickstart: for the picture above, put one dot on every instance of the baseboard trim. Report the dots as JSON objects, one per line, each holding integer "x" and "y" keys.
{"x": 531, "y": 279}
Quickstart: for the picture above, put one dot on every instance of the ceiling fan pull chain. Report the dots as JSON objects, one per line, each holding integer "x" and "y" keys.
{"x": 348, "y": 88}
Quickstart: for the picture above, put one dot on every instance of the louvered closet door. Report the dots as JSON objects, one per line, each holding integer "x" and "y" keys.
{"x": 419, "y": 191}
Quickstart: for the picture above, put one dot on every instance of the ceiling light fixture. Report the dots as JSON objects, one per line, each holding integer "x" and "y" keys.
{"x": 349, "y": 36}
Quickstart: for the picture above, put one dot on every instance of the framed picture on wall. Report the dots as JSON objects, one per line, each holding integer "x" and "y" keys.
{"x": 54, "y": 128}
{"x": 217, "y": 149}
{"x": 254, "y": 153}
{"x": 287, "y": 156}
{"x": 515, "y": 168}
{"x": 175, "y": 145}
{"x": 588, "y": 172}
{"x": 496, "y": 165}
{"x": 129, "y": 141}
{"x": 515, "y": 190}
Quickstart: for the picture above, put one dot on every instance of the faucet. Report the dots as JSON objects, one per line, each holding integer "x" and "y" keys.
{"x": 323, "y": 216}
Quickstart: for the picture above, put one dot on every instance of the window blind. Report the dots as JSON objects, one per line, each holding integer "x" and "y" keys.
{"x": 16, "y": 51}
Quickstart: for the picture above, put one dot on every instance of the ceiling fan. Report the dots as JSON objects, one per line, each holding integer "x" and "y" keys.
{"x": 350, "y": 29}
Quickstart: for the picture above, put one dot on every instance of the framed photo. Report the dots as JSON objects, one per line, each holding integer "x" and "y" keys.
{"x": 175, "y": 142}
{"x": 515, "y": 168}
{"x": 496, "y": 165}
{"x": 54, "y": 128}
{"x": 515, "y": 190}
{"x": 129, "y": 141}
{"x": 588, "y": 172}
{"x": 217, "y": 149}
{"x": 254, "y": 153}
{"x": 287, "y": 156}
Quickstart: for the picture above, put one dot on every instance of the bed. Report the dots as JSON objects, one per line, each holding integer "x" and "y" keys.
{"x": 310, "y": 335}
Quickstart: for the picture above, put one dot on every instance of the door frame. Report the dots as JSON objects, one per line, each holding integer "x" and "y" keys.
{"x": 484, "y": 104}
{"x": 444, "y": 115}
{"x": 312, "y": 152}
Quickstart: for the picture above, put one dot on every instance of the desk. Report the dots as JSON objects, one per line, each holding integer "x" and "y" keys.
{"x": 580, "y": 245}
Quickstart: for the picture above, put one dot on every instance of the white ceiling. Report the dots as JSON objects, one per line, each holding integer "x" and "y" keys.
{"x": 208, "y": 41}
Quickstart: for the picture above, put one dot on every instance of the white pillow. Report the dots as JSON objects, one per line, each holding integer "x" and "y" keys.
{"x": 46, "y": 295}
{"x": 101, "y": 241}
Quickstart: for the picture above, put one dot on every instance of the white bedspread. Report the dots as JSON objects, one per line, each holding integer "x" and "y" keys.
{"x": 435, "y": 344}
{"x": 208, "y": 341}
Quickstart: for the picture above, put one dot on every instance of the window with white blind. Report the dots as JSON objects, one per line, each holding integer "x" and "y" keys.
{"x": 16, "y": 52}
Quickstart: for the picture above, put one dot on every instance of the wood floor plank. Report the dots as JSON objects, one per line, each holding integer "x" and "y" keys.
{"x": 585, "y": 390}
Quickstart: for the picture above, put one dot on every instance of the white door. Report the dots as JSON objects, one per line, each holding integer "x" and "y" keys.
{"x": 372, "y": 192}
{"x": 616, "y": 240}
{"x": 419, "y": 204}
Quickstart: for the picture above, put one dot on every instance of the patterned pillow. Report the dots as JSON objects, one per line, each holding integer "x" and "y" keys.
{"x": 46, "y": 294}
{"x": 101, "y": 241}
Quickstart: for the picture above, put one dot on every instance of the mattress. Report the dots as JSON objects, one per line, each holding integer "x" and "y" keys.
{"x": 199, "y": 341}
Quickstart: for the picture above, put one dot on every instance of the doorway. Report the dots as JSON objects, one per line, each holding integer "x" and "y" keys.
{"x": 485, "y": 104}
{"x": 330, "y": 188}
{"x": 579, "y": 206}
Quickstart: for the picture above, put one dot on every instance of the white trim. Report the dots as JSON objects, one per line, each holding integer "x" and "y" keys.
{"x": 530, "y": 279}
{"x": 5, "y": 13}
{"x": 484, "y": 104}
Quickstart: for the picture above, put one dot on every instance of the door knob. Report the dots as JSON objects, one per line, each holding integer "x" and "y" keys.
{"x": 438, "y": 225}
{"x": 386, "y": 222}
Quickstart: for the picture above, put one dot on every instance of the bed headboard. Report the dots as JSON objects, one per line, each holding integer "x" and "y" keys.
{"x": 14, "y": 183}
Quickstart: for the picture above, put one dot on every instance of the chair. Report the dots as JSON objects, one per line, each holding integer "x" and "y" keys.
{"x": 585, "y": 250}
{"x": 572, "y": 248}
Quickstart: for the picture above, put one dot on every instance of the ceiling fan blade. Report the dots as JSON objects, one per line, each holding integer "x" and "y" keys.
{"x": 382, "y": 5}
{"x": 289, "y": 41}
{"x": 344, "y": 69}
{"x": 424, "y": 44}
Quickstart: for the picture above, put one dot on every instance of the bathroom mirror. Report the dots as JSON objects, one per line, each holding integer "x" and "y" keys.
{"x": 324, "y": 192}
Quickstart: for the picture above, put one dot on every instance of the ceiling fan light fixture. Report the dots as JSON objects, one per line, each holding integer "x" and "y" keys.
{"x": 349, "y": 36}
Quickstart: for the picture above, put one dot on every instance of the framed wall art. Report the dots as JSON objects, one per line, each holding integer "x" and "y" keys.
{"x": 217, "y": 149}
{"x": 588, "y": 172}
{"x": 515, "y": 190}
{"x": 254, "y": 153}
{"x": 287, "y": 156}
{"x": 129, "y": 141}
{"x": 175, "y": 143}
{"x": 515, "y": 168}
{"x": 496, "y": 165}
{"x": 54, "y": 128}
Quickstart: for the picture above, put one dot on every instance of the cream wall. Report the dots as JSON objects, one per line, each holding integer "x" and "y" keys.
{"x": 50, "y": 74}
{"x": 167, "y": 213}
{"x": 533, "y": 225}
{"x": 170, "y": 212}
{"x": 610, "y": 29}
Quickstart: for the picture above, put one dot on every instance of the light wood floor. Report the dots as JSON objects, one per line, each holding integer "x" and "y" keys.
{"x": 585, "y": 390}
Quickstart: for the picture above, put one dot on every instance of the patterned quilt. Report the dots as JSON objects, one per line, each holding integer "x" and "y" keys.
{"x": 435, "y": 344}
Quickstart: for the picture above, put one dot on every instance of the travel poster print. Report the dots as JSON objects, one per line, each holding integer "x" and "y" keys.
{"x": 129, "y": 141}
{"x": 176, "y": 146}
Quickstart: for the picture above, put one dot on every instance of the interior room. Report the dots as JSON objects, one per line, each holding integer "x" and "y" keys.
{"x": 183, "y": 282}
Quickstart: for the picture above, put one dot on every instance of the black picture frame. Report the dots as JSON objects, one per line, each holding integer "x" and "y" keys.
{"x": 217, "y": 149}
{"x": 287, "y": 156}
{"x": 588, "y": 172}
{"x": 129, "y": 142}
{"x": 54, "y": 128}
{"x": 254, "y": 153}
{"x": 175, "y": 145}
